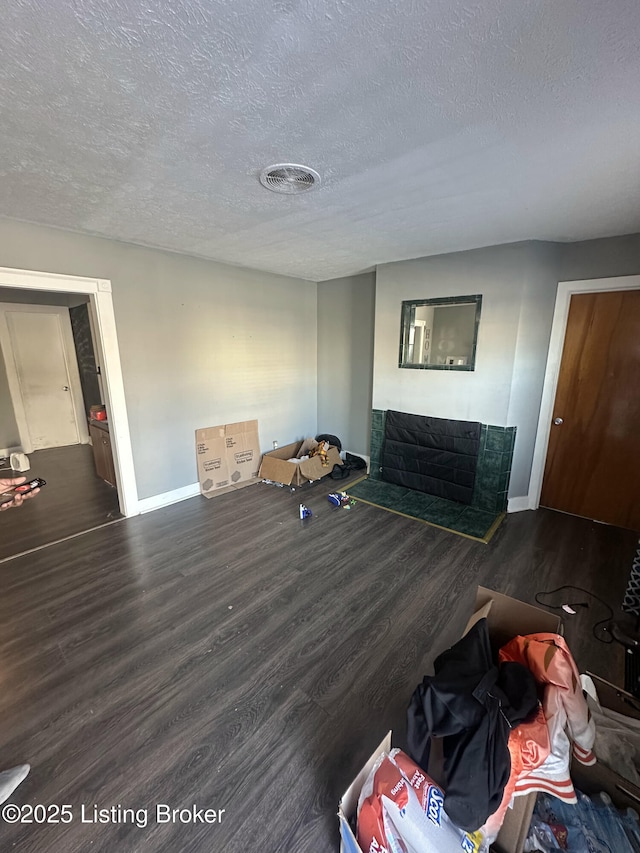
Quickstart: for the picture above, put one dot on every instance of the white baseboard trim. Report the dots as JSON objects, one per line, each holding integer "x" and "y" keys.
{"x": 519, "y": 504}
{"x": 168, "y": 498}
{"x": 7, "y": 451}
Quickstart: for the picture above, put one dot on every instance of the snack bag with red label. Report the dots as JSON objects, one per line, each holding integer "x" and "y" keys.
{"x": 400, "y": 811}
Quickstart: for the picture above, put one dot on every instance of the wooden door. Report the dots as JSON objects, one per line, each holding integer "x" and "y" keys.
{"x": 102, "y": 454}
{"x": 43, "y": 374}
{"x": 593, "y": 460}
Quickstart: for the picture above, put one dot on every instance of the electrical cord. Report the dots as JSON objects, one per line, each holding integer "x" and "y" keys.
{"x": 584, "y": 604}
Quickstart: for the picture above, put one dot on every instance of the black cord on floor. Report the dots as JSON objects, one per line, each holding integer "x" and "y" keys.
{"x": 585, "y": 604}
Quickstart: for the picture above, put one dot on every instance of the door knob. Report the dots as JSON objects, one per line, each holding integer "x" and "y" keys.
{"x": 558, "y": 421}
{"x": 65, "y": 387}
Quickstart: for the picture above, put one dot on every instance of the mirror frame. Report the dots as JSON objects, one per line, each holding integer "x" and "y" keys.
{"x": 407, "y": 319}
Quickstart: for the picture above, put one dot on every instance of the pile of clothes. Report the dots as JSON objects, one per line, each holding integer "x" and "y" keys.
{"x": 506, "y": 729}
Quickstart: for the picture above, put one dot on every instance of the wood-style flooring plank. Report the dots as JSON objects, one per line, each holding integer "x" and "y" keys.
{"x": 225, "y": 653}
{"x": 75, "y": 499}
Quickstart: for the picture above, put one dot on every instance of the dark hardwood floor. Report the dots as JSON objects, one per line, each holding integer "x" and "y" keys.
{"x": 74, "y": 500}
{"x": 225, "y": 654}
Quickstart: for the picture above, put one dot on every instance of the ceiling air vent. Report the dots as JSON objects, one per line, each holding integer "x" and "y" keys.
{"x": 289, "y": 178}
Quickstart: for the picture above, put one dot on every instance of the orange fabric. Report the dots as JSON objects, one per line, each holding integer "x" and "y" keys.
{"x": 529, "y": 748}
{"x": 549, "y": 659}
{"x": 540, "y": 750}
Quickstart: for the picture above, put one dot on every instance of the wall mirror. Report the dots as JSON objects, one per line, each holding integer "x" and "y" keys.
{"x": 440, "y": 334}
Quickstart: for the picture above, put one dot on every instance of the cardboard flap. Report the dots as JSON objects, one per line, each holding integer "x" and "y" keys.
{"x": 240, "y": 428}
{"x": 481, "y": 613}
{"x": 598, "y": 777}
{"x": 615, "y": 698}
{"x": 313, "y": 469}
{"x": 509, "y": 617}
{"x": 276, "y": 467}
{"x": 287, "y": 451}
{"x": 277, "y": 470}
{"x": 349, "y": 801}
{"x": 515, "y": 827}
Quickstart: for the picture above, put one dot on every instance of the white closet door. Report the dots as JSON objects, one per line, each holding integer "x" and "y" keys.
{"x": 43, "y": 373}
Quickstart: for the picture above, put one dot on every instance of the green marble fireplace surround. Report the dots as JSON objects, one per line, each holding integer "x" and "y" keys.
{"x": 490, "y": 490}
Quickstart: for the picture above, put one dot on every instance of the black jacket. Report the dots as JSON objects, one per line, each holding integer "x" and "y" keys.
{"x": 472, "y": 704}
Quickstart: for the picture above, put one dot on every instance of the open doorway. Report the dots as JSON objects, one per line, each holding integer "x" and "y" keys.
{"x": 60, "y": 363}
{"x": 46, "y": 407}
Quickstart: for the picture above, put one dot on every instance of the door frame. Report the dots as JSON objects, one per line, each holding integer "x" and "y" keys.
{"x": 565, "y": 291}
{"x": 101, "y": 305}
{"x": 13, "y": 379}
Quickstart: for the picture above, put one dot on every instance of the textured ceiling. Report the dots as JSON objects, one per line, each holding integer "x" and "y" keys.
{"x": 436, "y": 126}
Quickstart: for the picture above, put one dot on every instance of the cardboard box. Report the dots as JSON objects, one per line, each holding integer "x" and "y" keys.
{"x": 276, "y": 467}
{"x": 507, "y": 618}
{"x": 505, "y": 613}
{"x": 597, "y": 777}
{"x": 227, "y": 456}
{"x": 349, "y": 803}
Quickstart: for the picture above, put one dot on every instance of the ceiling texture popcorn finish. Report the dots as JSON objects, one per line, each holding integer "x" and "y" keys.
{"x": 436, "y": 126}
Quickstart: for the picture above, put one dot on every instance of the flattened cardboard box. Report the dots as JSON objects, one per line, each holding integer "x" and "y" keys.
{"x": 228, "y": 456}
{"x": 276, "y": 466}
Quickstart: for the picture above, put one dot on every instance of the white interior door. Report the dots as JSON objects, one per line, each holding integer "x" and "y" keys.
{"x": 46, "y": 380}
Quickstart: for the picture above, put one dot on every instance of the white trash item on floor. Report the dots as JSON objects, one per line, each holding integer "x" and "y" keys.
{"x": 20, "y": 462}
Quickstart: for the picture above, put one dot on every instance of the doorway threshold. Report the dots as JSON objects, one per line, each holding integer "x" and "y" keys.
{"x": 58, "y": 541}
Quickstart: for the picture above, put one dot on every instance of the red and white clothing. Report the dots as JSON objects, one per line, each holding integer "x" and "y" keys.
{"x": 565, "y": 710}
{"x": 529, "y": 748}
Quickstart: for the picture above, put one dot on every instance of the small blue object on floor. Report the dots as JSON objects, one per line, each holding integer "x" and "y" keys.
{"x": 305, "y": 512}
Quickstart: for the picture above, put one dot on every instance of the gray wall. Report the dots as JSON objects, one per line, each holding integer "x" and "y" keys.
{"x": 480, "y": 395}
{"x": 346, "y": 308}
{"x": 518, "y": 283}
{"x": 201, "y": 344}
{"x": 610, "y": 256}
{"x": 538, "y": 297}
{"x": 506, "y": 386}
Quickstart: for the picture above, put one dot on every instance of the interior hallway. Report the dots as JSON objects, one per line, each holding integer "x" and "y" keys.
{"x": 226, "y": 654}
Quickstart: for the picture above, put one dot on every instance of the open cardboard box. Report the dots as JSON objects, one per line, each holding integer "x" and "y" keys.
{"x": 349, "y": 802}
{"x": 597, "y": 777}
{"x": 275, "y": 465}
{"x": 507, "y": 617}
